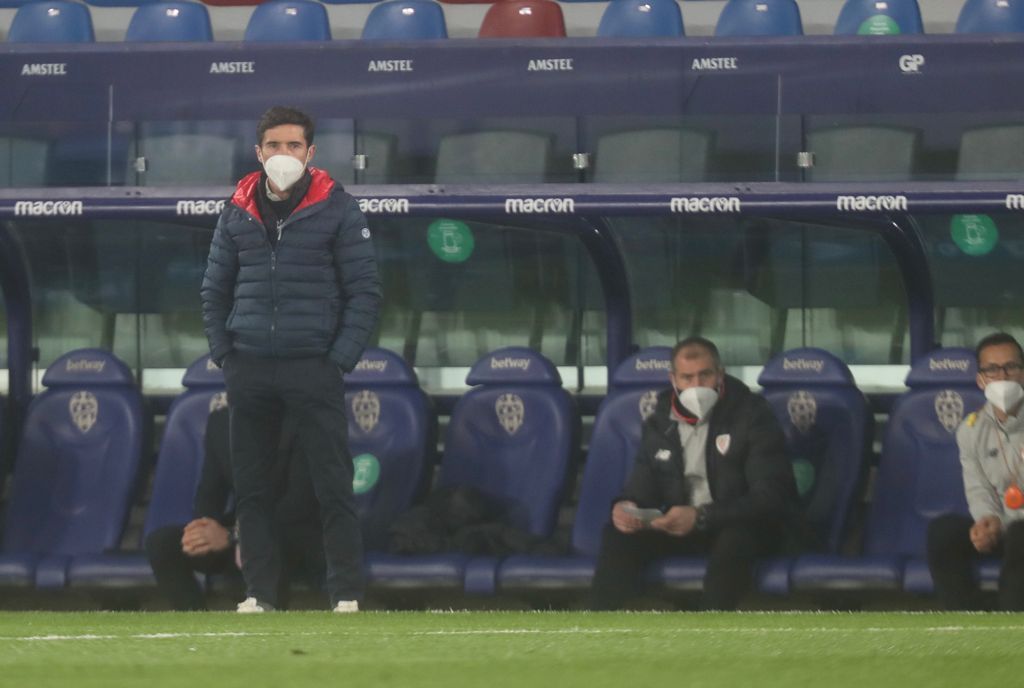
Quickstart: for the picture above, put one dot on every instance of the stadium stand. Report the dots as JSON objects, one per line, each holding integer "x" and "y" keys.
{"x": 632, "y": 389}
{"x": 991, "y": 16}
{"x": 523, "y": 19}
{"x": 76, "y": 469}
{"x": 512, "y": 437}
{"x": 641, "y": 19}
{"x": 288, "y": 21}
{"x": 879, "y": 18}
{"x": 178, "y": 467}
{"x": 760, "y": 18}
{"x": 392, "y": 436}
{"x": 170, "y": 21}
{"x": 405, "y": 20}
{"x": 51, "y": 21}
{"x": 918, "y": 478}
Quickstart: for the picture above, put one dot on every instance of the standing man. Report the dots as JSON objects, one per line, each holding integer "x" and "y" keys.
{"x": 290, "y": 299}
{"x": 991, "y": 444}
{"x": 711, "y": 478}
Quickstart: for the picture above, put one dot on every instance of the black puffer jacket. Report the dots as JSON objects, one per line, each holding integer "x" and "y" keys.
{"x": 749, "y": 475}
{"x": 316, "y": 294}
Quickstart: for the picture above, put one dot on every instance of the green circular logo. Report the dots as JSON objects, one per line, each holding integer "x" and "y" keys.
{"x": 803, "y": 472}
{"x": 450, "y": 240}
{"x": 878, "y": 25}
{"x": 975, "y": 235}
{"x": 366, "y": 474}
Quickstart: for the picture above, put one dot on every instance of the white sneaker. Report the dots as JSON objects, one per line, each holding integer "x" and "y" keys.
{"x": 253, "y": 606}
{"x": 346, "y": 607}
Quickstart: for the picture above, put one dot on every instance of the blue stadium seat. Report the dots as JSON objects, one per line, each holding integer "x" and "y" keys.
{"x": 76, "y": 469}
{"x": 392, "y": 432}
{"x": 51, "y": 21}
{"x": 178, "y": 468}
{"x": 827, "y": 426}
{"x": 879, "y": 18}
{"x": 918, "y": 478}
{"x": 288, "y": 21}
{"x": 991, "y": 16}
{"x": 511, "y": 437}
{"x": 170, "y": 21}
{"x": 760, "y": 18}
{"x": 633, "y": 388}
{"x": 405, "y": 20}
{"x": 641, "y": 19}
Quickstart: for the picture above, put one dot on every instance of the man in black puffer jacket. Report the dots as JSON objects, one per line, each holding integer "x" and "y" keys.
{"x": 711, "y": 478}
{"x": 290, "y": 299}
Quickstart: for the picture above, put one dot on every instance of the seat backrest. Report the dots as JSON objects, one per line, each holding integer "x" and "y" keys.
{"x": 919, "y": 475}
{"x": 828, "y": 426}
{"x": 78, "y": 458}
{"x": 523, "y": 19}
{"x": 514, "y": 157}
{"x": 879, "y": 18}
{"x": 405, "y": 20}
{"x": 989, "y": 153}
{"x": 392, "y": 431}
{"x": 170, "y": 21}
{"x": 641, "y": 19}
{"x": 760, "y": 18}
{"x": 675, "y": 154}
{"x": 512, "y": 437}
{"x": 991, "y": 16}
{"x": 182, "y": 449}
{"x": 863, "y": 153}
{"x": 51, "y": 21}
{"x": 632, "y": 394}
{"x": 287, "y": 21}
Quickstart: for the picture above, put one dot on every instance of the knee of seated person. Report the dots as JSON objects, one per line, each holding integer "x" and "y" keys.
{"x": 162, "y": 542}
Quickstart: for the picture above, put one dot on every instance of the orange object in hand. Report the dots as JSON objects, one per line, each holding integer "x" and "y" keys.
{"x": 1014, "y": 497}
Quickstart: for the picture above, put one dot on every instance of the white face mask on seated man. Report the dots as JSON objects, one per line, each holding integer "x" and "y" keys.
{"x": 1005, "y": 395}
{"x": 698, "y": 400}
{"x": 284, "y": 170}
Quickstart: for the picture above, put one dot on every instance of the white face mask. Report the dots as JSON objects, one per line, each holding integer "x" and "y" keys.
{"x": 698, "y": 400}
{"x": 1004, "y": 394}
{"x": 284, "y": 170}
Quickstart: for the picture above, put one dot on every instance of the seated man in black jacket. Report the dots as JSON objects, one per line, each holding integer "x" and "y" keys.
{"x": 711, "y": 478}
{"x": 207, "y": 543}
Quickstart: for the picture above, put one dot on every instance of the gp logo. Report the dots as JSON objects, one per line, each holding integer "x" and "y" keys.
{"x": 911, "y": 64}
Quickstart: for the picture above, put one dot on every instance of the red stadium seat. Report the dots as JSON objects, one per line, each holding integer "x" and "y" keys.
{"x": 523, "y": 19}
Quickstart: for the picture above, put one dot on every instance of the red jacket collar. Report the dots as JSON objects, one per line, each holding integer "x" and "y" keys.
{"x": 245, "y": 193}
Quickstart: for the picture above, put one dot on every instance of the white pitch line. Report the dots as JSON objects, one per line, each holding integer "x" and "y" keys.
{"x": 750, "y": 631}
{"x": 139, "y": 636}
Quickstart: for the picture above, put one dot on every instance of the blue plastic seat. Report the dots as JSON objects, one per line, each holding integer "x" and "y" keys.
{"x": 392, "y": 432}
{"x": 170, "y": 21}
{"x": 918, "y": 478}
{"x": 991, "y": 16}
{"x": 405, "y": 20}
{"x": 641, "y": 19}
{"x": 879, "y": 18}
{"x": 511, "y": 437}
{"x": 178, "y": 468}
{"x": 633, "y": 390}
{"x": 760, "y": 18}
{"x": 288, "y": 21}
{"x": 51, "y": 21}
{"x": 76, "y": 469}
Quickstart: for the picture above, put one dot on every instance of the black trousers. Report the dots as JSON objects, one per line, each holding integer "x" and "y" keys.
{"x": 951, "y": 558}
{"x": 731, "y": 551}
{"x": 301, "y": 548}
{"x": 260, "y": 392}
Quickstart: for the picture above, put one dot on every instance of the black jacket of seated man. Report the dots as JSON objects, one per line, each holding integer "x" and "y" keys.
{"x": 207, "y": 543}
{"x": 753, "y": 499}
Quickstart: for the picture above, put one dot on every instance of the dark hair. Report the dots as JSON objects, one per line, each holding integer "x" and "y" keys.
{"x": 278, "y": 115}
{"x": 996, "y": 339}
{"x": 697, "y": 343}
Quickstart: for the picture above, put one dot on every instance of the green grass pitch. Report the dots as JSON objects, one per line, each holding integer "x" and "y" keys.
{"x": 641, "y": 650}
